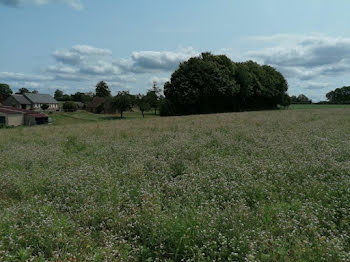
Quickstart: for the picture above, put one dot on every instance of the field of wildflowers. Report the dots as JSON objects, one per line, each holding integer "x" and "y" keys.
{"x": 254, "y": 186}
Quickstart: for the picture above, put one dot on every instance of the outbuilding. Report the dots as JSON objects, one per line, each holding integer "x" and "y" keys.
{"x": 11, "y": 118}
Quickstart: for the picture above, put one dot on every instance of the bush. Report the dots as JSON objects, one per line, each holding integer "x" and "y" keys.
{"x": 70, "y": 106}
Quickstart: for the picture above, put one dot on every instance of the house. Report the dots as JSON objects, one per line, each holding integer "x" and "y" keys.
{"x": 29, "y": 101}
{"x": 100, "y": 105}
{"x": 16, "y": 117}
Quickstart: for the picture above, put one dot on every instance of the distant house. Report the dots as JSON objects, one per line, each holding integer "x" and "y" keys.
{"x": 11, "y": 116}
{"x": 29, "y": 101}
{"x": 100, "y": 105}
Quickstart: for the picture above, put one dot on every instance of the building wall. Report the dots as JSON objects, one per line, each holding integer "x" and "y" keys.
{"x": 37, "y": 107}
{"x": 15, "y": 119}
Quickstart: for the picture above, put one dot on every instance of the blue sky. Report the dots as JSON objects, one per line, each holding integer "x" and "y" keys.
{"x": 73, "y": 44}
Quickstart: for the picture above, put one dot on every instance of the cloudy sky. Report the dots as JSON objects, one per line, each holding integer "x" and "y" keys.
{"x": 73, "y": 44}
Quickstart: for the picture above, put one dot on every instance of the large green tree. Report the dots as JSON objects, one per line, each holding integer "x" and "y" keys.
{"x": 102, "y": 89}
{"x": 5, "y": 91}
{"x": 203, "y": 84}
{"x": 213, "y": 83}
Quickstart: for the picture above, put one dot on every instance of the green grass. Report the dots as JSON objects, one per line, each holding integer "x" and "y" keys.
{"x": 252, "y": 186}
{"x": 79, "y": 117}
{"x": 315, "y": 106}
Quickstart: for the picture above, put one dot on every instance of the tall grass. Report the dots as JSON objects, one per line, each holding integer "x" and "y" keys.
{"x": 255, "y": 186}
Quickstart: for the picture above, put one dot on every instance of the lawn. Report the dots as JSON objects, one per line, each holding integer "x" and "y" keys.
{"x": 252, "y": 186}
{"x": 79, "y": 117}
{"x": 316, "y": 106}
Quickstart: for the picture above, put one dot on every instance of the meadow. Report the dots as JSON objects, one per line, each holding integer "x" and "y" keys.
{"x": 252, "y": 186}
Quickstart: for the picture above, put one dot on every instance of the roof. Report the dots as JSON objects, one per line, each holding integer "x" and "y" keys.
{"x": 21, "y": 99}
{"x": 4, "y": 110}
{"x": 40, "y": 98}
{"x": 12, "y": 110}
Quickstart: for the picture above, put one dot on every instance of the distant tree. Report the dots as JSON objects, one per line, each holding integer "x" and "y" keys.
{"x": 66, "y": 97}
{"x": 122, "y": 102}
{"x": 102, "y": 89}
{"x": 303, "y": 99}
{"x": 81, "y": 97}
{"x": 35, "y": 92}
{"x": 44, "y": 106}
{"x": 339, "y": 95}
{"x": 22, "y": 91}
{"x": 153, "y": 96}
{"x": 70, "y": 106}
{"x": 58, "y": 95}
{"x": 143, "y": 104}
{"x": 300, "y": 99}
{"x": 5, "y": 91}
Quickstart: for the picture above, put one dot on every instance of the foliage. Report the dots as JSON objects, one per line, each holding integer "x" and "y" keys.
{"x": 153, "y": 96}
{"x": 58, "y": 95}
{"x": 122, "y": 102}
{"x": 81, "y": 97}
{"x": 22, "y": 91}
{"x": 44, "y": 106}
{"x": 211, "y": 84}
{"x": 5, "y": 91}
{"x": 102, "y": 89}
{"x": 300, "y": 99}
{"x": 143, "y": 104}
{"x": 223, "y": 187}
{"x": 70, "y": 106}
{"x": 339, "y": 95}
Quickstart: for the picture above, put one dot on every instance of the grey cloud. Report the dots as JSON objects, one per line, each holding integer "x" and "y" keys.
{"x": 306, "y": 57}
{"x": 150, "y": 61}
{"x": 16, "y": 3}
{"x": 10, "y": 76}
{"x": 12, "y": 3}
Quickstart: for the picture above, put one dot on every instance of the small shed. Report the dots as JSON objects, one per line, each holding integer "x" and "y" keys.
{"x": 11, "y": 118}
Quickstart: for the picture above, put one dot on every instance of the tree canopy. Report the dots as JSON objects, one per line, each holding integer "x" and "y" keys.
{"x": 300, "y": 99}
{"x": 122, "y": 102}
{"x": 22, "y": 91}
{"x": 102, "y": 89}
{"x": 339, "y": 95}
{"x": 5, "y": 91}
{"x": 213, "y": 83}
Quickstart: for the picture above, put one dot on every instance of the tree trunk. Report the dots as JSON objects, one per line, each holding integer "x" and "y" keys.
{"x": 155, "y": 111}
{"x": 143, "y": 114}
{"x": 121, "y": 114}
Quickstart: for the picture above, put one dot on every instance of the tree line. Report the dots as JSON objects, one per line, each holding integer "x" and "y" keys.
{"x": 123, "y": 101}
{"x": 213, "y": 84}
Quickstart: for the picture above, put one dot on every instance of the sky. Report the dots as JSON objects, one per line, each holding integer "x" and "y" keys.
{"x": 73, "y": 44}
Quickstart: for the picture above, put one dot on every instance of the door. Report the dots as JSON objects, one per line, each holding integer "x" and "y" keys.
{"x": 2, "y": 120}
